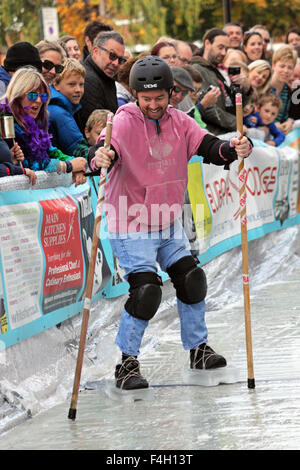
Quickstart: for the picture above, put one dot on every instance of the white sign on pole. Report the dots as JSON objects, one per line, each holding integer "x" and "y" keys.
{"x": 49, "y": 23}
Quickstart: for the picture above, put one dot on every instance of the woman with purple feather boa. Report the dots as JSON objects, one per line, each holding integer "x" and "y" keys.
{"x": 26, "y": 98}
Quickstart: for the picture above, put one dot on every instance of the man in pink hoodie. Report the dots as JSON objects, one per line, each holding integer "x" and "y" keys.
{"x": 151, "y": 145}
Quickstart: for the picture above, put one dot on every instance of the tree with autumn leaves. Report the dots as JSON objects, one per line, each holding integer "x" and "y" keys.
{"x": 144, "y": 21}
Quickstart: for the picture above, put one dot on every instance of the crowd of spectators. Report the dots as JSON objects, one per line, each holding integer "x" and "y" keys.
{"x": 58, "y": 97}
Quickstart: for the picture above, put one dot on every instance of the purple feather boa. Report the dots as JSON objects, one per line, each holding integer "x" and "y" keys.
{"x": 38, "y": 139}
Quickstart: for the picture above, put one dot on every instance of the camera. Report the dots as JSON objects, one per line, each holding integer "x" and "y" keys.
{"x": 234, "y": 70}
{"x": 208, "y": 89}
{"x": 203, "y": 92}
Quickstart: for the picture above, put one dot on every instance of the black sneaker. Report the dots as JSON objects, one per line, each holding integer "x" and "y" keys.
{"x": 204, "y": 357}
{"x": 128, "y": 376}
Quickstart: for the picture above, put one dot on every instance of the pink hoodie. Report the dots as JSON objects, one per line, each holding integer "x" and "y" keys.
{"x": 146, "y": 186}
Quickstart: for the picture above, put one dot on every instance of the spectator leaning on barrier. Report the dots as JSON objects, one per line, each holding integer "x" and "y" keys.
{"x": 154, "y": 164}
{"x": 283, "y": 63}
{"x": 95, "y": 124}
{"x": 19, "y": 55}
{"x": 268, "y": 108}
{"x": 102, "y": 66}
{"x": 65, "y": 99}
{"x": 27, "y": 96}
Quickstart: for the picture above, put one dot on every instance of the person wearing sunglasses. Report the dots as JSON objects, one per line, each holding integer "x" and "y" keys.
{"x": 102, "y": 66}
{"x": 52, "y": 56}
{"x": 27, "y": 97}
{"x": 183, "y": 83}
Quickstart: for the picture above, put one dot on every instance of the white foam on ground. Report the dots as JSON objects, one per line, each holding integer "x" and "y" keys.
{"x": 38, "y": 373}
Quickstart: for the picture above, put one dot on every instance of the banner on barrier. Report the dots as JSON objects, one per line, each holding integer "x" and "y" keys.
{"x": 45, "y": 249}
{"x": 271, "y": 178}
{"x": 46, "y": 235}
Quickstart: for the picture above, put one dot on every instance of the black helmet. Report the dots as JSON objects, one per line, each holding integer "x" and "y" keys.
{"x": 150, "y": 73}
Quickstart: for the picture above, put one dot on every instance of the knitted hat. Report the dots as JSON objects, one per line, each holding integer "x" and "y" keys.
{"x": 20, "y": 55}
{"x": 181, "y": 76}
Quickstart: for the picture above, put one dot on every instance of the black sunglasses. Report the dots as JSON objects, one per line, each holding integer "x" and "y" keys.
{"x": 48, "y": 65}
{"x": 177, "y": 89}
{"x": 113, "y": 56}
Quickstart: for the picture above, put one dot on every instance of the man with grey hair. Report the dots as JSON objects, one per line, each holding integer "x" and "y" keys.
{"x": 102, "y": 65}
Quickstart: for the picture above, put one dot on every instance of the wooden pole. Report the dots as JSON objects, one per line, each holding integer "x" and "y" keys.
{"x": 90, "y": 279}
{"x": 244, "y": 242}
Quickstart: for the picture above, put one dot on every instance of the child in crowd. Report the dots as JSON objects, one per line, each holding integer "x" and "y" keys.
{"x": 251, "y": 105}
{"x": 66, "y": 93}
{"x": 283, "y": 62}
{"x": 268, "y": 108}
{"x": 249, "y": 108}
{"x": 94, "y": 125}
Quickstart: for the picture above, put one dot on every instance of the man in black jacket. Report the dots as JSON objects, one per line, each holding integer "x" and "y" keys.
{"x": 102, "y": 65}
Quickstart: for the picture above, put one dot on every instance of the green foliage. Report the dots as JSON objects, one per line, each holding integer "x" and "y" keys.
{"x": 147, "y": 19}
{"x": 19, "y": 20}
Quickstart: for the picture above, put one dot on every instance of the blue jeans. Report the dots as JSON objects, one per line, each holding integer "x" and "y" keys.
{"x": 139, "y": 252}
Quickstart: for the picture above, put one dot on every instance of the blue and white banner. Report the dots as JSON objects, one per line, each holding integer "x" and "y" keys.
{"x": 46, "y": 233}
{"x": 272, "y": 190}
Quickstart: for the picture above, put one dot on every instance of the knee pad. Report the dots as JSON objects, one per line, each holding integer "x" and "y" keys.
{"x": 144, "y": 295}
{"x": 188, "y": 279}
